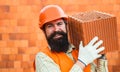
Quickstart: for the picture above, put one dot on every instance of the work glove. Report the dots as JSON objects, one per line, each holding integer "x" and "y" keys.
{"x": 90, "y": 52}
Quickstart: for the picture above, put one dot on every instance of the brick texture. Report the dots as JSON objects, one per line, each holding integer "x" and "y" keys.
{"x": 21, "y": 38}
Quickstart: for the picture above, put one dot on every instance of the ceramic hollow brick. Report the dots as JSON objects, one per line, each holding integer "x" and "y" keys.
{"x": 9, "y": 64}
{"x": 22, "y": 50}
{"x": 32, "y": 43}
{"x": 17, "y": 29}
{"x": 18, "y": 36}
{"x": 12, "y": 57}
{"x": 8, "y": 50}
{"x": 23, "y": 22}
{"x": 5, "y": 37}
{"x": 21, "y": 43}
{"x": 13, "y": 22}
{"x": 28, "y": 70}
{"x": 3, "y": 43}
{"x": 84, "y": 26}
{"x": 18, "y": 57}
{"x": 3, "y": 30}
{"x": 2, "y": 64}
{"x": 13, "y": 9}
{"x": 10, "y": 44}
{"x": 25, "y": 64}
{"x": 4, "y": 23}
{"x": 28, "y": 2}
{"x": 32, "y": 50}
{"x": 26, "y": 58}
{"x": 5, "y": 57}
{"x": 32, "y": 57}
{"x": 4, "y": 8}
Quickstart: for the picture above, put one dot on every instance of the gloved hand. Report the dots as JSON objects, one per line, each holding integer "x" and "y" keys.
{"x": 90, "y": 52}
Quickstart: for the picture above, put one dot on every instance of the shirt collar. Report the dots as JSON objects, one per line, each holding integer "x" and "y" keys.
{"x": 71, "y": 47}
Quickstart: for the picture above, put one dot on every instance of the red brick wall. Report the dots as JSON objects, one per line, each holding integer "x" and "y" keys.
{"x": 21, "y": 38}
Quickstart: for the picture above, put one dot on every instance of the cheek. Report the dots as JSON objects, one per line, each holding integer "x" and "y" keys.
{"x": 48, "y": 32}
{"x": 64, "y": 29}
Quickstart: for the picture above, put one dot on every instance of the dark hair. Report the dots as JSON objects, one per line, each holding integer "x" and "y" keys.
{"x": 65, "y": 21}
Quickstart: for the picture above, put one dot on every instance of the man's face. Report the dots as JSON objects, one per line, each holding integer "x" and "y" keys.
{"x": 56, "y": 35}
{"x": 54, "y": 26}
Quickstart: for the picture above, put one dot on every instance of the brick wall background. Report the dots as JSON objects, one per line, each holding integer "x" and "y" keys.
{"x": 21, "y": 38}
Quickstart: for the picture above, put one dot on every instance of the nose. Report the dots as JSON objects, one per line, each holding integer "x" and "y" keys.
{"x": 56, "y": 28}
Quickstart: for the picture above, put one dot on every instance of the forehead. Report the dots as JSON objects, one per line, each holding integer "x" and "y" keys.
{"x": 55, "y": 21}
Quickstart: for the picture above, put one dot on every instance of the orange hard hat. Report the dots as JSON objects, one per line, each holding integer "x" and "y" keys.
{"x": 50, "y": 13}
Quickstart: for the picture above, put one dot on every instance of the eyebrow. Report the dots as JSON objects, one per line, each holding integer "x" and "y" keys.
{"x": 48, "y": 23}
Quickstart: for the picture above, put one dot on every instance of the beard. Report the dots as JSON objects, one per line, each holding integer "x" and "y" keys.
{"x": 60, "y": 44}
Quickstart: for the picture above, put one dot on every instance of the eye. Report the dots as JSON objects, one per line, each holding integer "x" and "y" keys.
{"x": 60, "y": 23}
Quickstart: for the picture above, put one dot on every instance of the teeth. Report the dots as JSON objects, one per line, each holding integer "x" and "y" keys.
{"x": 57, "y": 36}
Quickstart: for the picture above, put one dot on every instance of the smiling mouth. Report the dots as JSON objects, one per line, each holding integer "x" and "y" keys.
{"x": 57, "y": 36}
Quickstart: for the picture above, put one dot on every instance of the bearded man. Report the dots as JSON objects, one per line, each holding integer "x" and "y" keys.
{"x": 61, "y": 55}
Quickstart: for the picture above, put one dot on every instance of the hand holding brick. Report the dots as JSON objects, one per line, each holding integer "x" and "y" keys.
{"x": 90, "y": 52}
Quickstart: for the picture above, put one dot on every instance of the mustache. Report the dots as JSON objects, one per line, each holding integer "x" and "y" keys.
{"x": 55, "y": 33}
